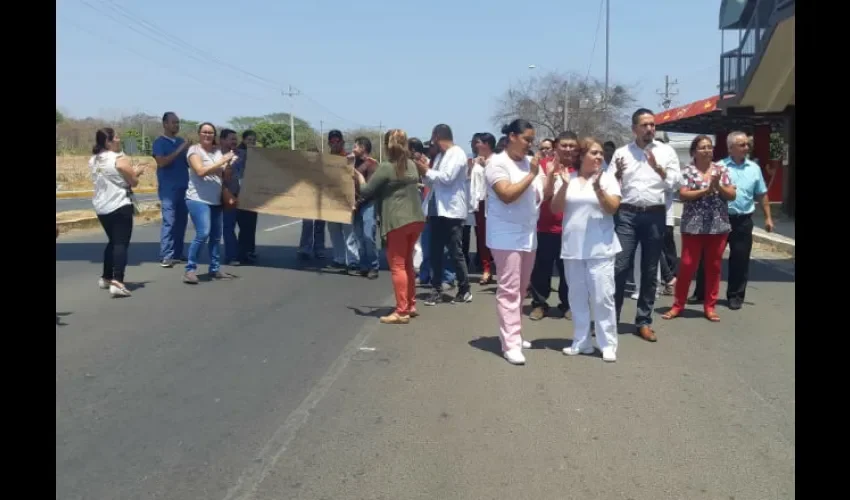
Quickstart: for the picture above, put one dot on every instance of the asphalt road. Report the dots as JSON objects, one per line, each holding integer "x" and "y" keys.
{"x": 66, "y": 204}
{"x": 282, "y": 385}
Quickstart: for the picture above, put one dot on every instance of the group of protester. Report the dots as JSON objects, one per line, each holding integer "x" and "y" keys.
{"x": 198, "y": 181}
{"x": 575, "y": 204}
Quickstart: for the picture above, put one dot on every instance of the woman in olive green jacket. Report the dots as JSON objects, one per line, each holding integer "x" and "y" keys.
{"x": 394, "y": 187}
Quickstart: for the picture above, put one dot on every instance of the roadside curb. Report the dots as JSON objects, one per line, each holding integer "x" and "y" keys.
{"x": 774, "y": 242}
{"x": 89, "y": 194}
{"x": 148, "y": 213}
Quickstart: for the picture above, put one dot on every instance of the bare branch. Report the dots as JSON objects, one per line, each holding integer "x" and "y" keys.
{"x": 542, "y": 101}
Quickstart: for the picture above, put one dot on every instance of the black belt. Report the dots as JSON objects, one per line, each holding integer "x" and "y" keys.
{"x": 740, "y": 216}
{"x": 634, "y": 208}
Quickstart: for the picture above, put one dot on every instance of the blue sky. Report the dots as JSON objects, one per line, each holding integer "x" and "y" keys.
{"x": 364, "y": 63}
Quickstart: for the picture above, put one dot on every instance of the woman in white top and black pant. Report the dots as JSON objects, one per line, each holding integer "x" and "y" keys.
{"x": 514, "y": 194}
{"x": 113, "y": 179}
{"x": 204, "y": 201}
{"x": 589, "y": 198}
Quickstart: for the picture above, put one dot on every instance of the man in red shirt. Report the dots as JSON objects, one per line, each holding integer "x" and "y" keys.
{"x": 549, "y": 236}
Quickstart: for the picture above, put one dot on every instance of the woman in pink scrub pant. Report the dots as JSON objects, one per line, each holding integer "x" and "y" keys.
{"x": 514, "y": 194}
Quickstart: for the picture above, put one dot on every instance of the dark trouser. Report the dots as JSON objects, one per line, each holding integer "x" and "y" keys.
{"x": 740, "y": 243}
{"x": 447, "y": 233}
{"x": 119, "y": 227}
{"x": 247, "y": 222}
{"x": 645, "y": 228}
{"x": 243, "y": 246}
{"x": 668, "y": 256}
{"x": 312, "y": 238}
{"x": 548, "y": 255}
{"x": 465, "y": 241}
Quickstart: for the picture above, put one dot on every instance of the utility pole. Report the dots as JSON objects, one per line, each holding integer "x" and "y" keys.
{"x": 322, "y": 135}
{"x": 380, "y": 142}
{"x": 291, "y": 94}
{"x": 566, "y": 106}
{"x": 607, "y": 44}
{"x": 666, "y": 96}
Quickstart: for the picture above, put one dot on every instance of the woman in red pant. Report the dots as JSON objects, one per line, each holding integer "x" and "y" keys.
{"x": 705, "y": 193}
{"x": 395, "y": 188}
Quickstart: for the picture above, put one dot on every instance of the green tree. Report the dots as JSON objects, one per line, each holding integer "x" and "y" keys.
{"x": 59, "y": 117}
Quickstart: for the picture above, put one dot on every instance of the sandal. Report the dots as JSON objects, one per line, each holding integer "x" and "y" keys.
{"x": 395, "y": 319}
{"x": 486, "y": 279}
{"x": 672, "y": 313}
{"x": 712, "y": 316}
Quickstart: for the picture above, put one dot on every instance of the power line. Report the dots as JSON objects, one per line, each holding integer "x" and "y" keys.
{"x": 112, "y": 41}
{"x": 183, "y": 47}
{"x": 595, "y": 38}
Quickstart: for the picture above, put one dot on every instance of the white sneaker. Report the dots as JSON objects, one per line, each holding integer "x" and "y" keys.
{"x": 117, "y": 291}
{"x": 515, "y": 357}
{"x": 574, "y": 350}
{"x": 635, "y": 295}
{"x": 609, "y": 355}
{"x": 526, "y": 344}
{"x": 102, "y": 284}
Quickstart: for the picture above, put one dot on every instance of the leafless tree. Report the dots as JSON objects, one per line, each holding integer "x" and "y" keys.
{"x": 542, "y": 101}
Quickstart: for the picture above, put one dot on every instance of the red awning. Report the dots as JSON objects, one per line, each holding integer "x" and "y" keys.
{"x": 691, "y": 110}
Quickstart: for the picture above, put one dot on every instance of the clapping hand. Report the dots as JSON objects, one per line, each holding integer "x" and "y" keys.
{"x": 535, "y": 164}
{"x": 597, "y": 181}
{"x": 650, "y": 158}
{"x": 621, "y": 167}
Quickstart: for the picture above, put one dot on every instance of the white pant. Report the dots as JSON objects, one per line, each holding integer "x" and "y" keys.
{"x": 591, "y": 283}
{"x": 417, "y": 254}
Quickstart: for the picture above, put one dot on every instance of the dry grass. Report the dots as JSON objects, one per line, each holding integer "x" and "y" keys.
{"x": 72, "y": 172}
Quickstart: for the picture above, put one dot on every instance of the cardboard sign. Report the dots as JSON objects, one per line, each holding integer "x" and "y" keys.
{"x": 298, "y": 184}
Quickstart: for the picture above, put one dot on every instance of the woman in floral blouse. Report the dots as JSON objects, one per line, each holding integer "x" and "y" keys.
{"x": 705, "y": 193}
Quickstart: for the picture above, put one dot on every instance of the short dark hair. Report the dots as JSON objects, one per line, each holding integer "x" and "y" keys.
{"x": 640, "y": 112}
{"x": 226, "y": 132}
{"x": 415, "y": 145}
{"x": 547, "y": 139}
{"x": 567, "y": 134}
{"x": 364, "y": 143}
{"x": 488, "y": 139}
{"x": 335, "y": 133}
{"x": 248, "y": 133}
{"x": 442, "y": 132}
{"x": 500, "y": 144}
{"x": 609, "y": 144}
{"x": 167, "y": 114}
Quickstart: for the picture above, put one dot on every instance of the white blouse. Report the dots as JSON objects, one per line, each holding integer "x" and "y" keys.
{"x": 512, "y": 226}
{"x": 588, "y": 231}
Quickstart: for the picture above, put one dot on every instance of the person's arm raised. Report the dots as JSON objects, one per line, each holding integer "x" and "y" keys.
{"x": 197, "y": 165}
{"x": 509, "y": 192}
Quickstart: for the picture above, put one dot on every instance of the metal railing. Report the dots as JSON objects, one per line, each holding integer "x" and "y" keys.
{"x": 736, "y": 63}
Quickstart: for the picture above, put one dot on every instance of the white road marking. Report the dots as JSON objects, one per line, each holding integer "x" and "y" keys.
{"x": 249, "y": 481}
{"x": 282, "y": 226}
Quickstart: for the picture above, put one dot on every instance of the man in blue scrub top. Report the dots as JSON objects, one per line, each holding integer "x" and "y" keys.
{"x": 172, "y": 176}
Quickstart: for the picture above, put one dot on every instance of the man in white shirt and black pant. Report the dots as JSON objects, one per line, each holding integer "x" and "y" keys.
{"x": 446, "y": 207}
{"x": 646, "y": 170}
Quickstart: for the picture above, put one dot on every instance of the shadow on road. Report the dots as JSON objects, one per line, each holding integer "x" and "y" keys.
{"x": 59, "y": 316}
{"x": 371, "y": 311}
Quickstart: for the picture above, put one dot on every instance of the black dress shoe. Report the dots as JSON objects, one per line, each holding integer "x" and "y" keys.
{"x": 735, "y": 304}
